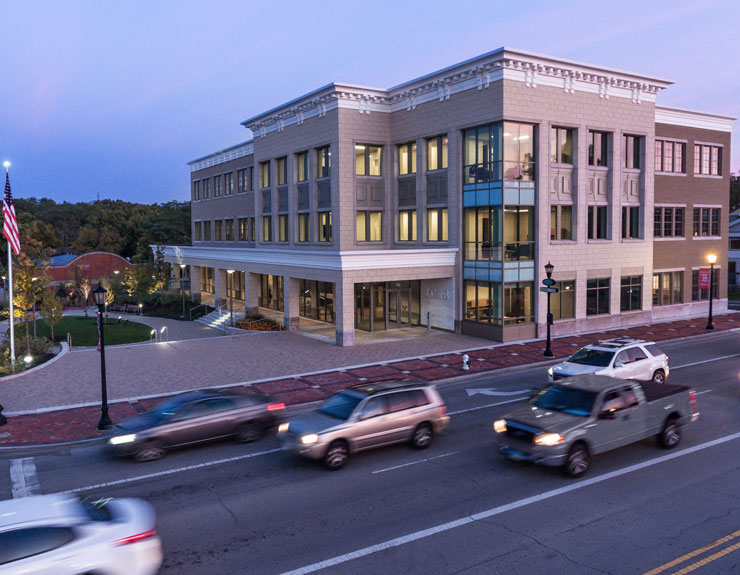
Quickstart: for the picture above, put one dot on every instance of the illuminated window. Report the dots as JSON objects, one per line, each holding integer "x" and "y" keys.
{"x": 406, "y": 159}
{"x": 437, "y": 224}
{"x": 437, "y": 153}
{"x": 407, "y": 226}
{"x": 368, "y": 160}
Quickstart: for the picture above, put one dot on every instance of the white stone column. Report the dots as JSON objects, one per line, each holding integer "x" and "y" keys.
{"x": 291, "y": 298}
{"x": 195, "y": 273}
{"x": 251, "y": 293}
{"x": 219, "y": 285}
{"x": 344, "y": 305}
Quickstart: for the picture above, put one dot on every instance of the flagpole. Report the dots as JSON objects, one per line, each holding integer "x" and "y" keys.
{"x": 9, "y": 287}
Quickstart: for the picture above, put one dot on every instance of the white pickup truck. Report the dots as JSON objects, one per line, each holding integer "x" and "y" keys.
{"x": 572, "y": 419}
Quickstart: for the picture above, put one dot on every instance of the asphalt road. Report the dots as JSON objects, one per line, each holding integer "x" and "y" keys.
{"x": 457, "y": 507}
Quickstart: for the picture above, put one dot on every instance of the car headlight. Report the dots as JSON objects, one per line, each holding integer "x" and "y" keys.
{"x": 309, "y": 439}
{"x": 499, "y": 426}
{"x": 549, "y": 439}
{"x": 549, "y": 372}
{"x": 283, "y": 427}
{"x": 119, "y": 439}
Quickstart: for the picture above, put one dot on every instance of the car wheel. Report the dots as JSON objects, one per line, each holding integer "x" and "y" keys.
{"x": 579, "y": 460}
{"x": 422, "y": 436}
{"x": 659, "y": 376}
{"x": 336, "y": 456}
{"x": 670, "y": 436}
{"x": 149, "y": 451}
{"x": 248, "y": 432}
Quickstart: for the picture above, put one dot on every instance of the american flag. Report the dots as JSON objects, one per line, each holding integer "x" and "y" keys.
{"x": 10, "y": 224}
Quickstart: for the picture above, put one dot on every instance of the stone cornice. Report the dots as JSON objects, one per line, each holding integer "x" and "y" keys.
{"x": 475, "y": 74}
{"x": 334, "y": 261}
{"x": 223, "y": 156}
{"x": 691, "y": 119}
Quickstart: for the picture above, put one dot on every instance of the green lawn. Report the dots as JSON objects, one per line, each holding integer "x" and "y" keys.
{"x": 85, "y": 333}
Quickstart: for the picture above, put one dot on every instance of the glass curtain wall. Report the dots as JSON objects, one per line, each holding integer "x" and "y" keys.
{"x": 271, "y": 292}
{"x": 316, "y": 300}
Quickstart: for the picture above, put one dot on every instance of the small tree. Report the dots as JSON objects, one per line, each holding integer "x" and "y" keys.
{"x": 134, "y": 280}
{"x": 85, "y": 289}
{"x": 51, "y": 310}
{"x": 110, "y": 294}
{"x": 29, "y": 283}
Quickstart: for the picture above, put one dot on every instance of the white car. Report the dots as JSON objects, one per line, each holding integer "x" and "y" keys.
{"x": 622, "y": 357}
{"x": 62, "y": 534}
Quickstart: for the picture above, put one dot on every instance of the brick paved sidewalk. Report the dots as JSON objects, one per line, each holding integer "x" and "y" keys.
{"x": 76, "y": 424}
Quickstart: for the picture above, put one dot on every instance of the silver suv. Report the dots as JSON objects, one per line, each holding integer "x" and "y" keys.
{"x": 621, "y": 357}
{"x": 366, "y": 416}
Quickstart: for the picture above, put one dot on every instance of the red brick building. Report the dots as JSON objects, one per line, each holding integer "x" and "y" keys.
{"x": 94, "y": 266}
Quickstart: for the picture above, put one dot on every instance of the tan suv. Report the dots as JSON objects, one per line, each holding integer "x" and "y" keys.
{"x": 366, "y": 416}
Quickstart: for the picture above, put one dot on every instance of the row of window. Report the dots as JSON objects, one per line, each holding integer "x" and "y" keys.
{"x": 561, "y": 148}
{"x": 502, "y": 304}
{"x": 668, "y": 222}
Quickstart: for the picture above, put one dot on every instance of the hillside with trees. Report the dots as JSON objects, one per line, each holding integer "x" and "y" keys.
{"x": 123, "y": 228}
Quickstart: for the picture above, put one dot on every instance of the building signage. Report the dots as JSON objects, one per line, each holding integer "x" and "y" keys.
{"x": 703, "y": 278}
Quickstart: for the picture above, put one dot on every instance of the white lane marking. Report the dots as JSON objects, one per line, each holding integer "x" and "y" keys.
{"x": 397, "y": 542}
{"x": 706, "y": 361}
{"x": 170, "y": 471}
{"x": 486, "y": 406}
{"x": 23, "y": 478}
{"x": 492, "y": 391}
{"x": 415, "y": 462}
{"x": 705, "y": 391}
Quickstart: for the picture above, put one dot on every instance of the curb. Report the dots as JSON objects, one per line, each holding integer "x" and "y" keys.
{"x": 18, "y": 450}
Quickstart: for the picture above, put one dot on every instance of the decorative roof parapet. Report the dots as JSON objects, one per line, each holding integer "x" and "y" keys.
{"x": 477, "y": 73}
{"x": 223, "y": 156}
{"x": 692, "y": 119}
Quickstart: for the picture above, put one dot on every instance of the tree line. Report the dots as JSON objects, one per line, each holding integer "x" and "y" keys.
{"x": 115, "y": 226}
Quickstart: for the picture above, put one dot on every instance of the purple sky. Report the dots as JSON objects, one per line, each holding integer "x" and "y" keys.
{"x": 116, "y": 97}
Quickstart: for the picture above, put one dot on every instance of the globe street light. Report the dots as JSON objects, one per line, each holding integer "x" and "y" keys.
{"x": 99, "y": 295}
{"x": 182, "y": 288}
{"x": 712, "y": 259}
{"x": 548, "y": 271}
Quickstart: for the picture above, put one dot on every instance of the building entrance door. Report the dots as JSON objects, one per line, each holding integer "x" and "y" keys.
{"x": 399, "y": 308}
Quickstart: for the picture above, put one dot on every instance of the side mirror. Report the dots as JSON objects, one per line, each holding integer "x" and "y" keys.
{"x": 606, "y": 415}
{"x": 618, "y": 364}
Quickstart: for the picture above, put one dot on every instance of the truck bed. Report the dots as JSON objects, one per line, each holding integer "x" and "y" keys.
{"x": 654, "y": 391}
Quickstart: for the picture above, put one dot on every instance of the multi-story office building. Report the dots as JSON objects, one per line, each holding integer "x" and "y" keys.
{"x": 441, "y": 200}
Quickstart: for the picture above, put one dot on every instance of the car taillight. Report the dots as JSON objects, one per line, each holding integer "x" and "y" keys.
{"x": 275, "y": 406}
{"x": 136, "y": 538}
{"x": 442, "y": 410}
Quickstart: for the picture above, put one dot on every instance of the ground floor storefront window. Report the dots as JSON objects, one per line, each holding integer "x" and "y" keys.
{"x": 387, "y": 305}
{"x": 499, "y": 304}
{"x": 271, "y": 292}
{"x": 316, "y": 300}
{"x": 207, "y": 283}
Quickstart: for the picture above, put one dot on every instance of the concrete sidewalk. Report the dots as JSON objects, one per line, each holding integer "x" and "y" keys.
{"x": 61, "y": 402}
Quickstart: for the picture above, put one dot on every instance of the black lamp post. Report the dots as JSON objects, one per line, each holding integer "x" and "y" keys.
{"x": 712, "y": 259}
{"x": 548, "y": 349}
{"x": 99, "y": 294}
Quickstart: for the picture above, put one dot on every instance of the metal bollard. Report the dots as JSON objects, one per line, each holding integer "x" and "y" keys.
{"x": 466, "y": 362}
{"x": 429, "y": 322}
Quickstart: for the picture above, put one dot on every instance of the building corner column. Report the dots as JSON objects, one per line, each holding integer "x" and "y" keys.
{"x": 345, "y": 312}
{"x": 291, "y": 297}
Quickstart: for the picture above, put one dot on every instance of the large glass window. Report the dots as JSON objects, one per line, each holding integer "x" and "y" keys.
{"x": 706, "y": 221}
{"x": 518, "y": 303}
{"x": 407, "y": 226}
{"x": 561, "y": 145}
{"x": 316, "y": 300}
{"x": 301, "y": 164}
{"x": 197, "y": 231}
{"x": 598, "y": 222}
{"x": 207, "y": 281}
{"x": 368, "y": 160}
{"x": 303, "y": 234}
{"x": 241, "y": 176}
{"x": 206, "y": 188}
{"x": 483, "y": 302}
{"x": 437, "y": 224}
{"x": 283, "y": 228}
{"x": 483, "y": 233}
{"x": 219, "y": 230}
{"x": 243, "y": 229}
{"x": 631, "y": 222}
{"x": 667, "y": 288}
{"x": 563, "y": 303}
{"x": 196, "y": 190}
{"x": 282, "y": 171}
{"x": 670, "y": 157}
{"x": 631, "y": 151}
{"x": 406, "y": 159}
{"x": 265, "y": 174}
{"x": 323, "y": 157}
{"x": 707, "y": 160}
{"x": 499, "y": 151}
{"x": 597, "y": 148}
{"x": 271, "y": 292}
{"x": 519, "y": 154}
{"x": 324, "y": 226}
{"x": 437, "y": 153}
{"x": 631, "y": 293}
{"x": 668, "y": 222}
{"x": 369, "y": 226}
{"x": 597, "y": 296}
{"x": 561, "y": 222}
{"x": 228, "y": 230}
{"x": 217, "y": 186}
{"x": 207, "y": 231}
{"x": 518, "y": 233}
{"x": 228, "y": 183}
{"x": 266, "y": 228}
{"x": 703, "y": 294}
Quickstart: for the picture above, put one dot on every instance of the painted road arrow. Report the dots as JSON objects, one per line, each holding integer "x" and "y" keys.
{"x": 492, "y": 391}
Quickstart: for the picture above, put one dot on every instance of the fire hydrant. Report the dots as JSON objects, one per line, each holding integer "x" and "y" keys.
{"x": 466, "y": 362}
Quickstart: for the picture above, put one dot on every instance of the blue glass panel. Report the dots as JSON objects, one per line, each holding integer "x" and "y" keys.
{"x": 511, "y": 196}
{"x": 526, "y": 197}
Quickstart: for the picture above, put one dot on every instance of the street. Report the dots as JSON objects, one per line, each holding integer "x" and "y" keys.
{"x": 457, "y": 507}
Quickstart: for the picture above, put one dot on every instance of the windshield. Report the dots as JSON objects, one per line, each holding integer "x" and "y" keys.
{"x": 595, "y": 357}
{"x": 166, "y": 408}
{"x": 341, "y": 405}
{"x": 565, "y": 399}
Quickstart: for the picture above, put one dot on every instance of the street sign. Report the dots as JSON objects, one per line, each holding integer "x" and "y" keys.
{"x": 549, "y": 290}
{"x": 549, "y": 282}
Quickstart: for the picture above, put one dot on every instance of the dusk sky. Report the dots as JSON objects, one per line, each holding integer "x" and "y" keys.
{"x": 114, "y": 98}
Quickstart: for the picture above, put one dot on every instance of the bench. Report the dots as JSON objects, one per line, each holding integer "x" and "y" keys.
{"x": 126, "y": 308}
